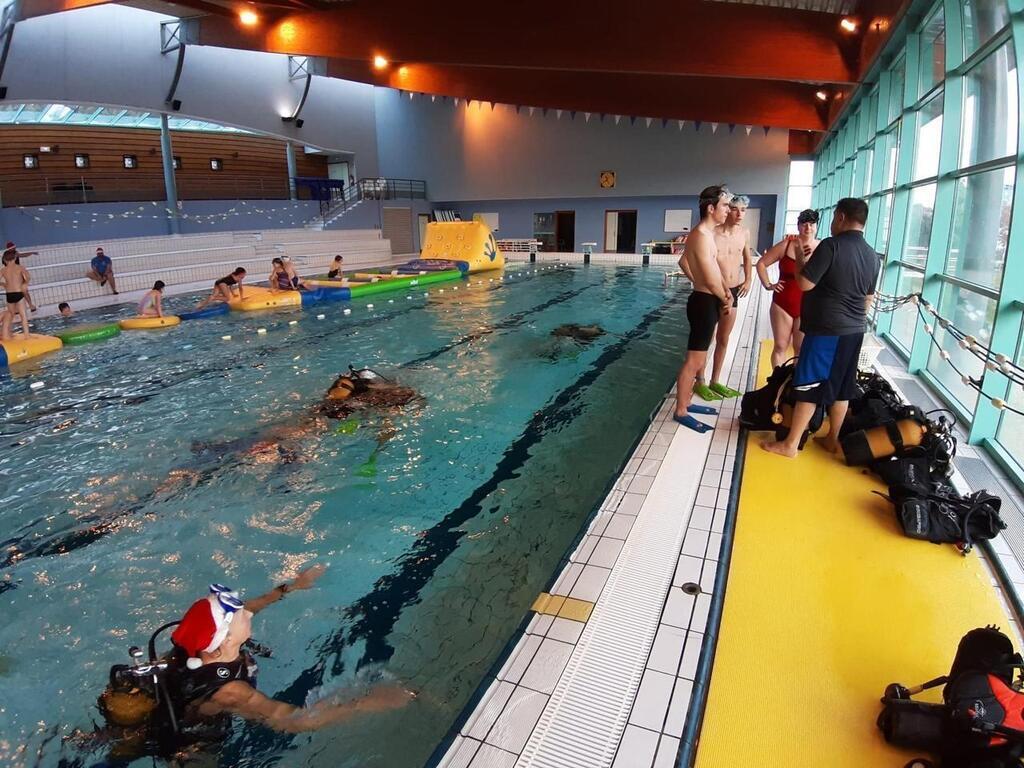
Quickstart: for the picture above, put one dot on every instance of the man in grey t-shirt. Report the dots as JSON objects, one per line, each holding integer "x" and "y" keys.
{"x": 838, "y": 281}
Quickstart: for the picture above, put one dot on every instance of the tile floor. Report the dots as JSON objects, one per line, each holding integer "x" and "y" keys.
{"x": 614, "y": 691}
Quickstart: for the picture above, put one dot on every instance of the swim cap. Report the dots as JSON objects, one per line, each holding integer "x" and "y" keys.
{"x": 808, "y": 215}
{"x": 203, "y": 628}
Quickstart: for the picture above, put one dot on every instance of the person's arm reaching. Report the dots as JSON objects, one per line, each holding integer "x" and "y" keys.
{"x": 304, "y": 580}
{"x": 238, "y": 698}
{"x": 159, "y": 305}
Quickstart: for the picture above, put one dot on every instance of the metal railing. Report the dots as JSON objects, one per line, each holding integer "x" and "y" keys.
{"x": 336, "y": 196}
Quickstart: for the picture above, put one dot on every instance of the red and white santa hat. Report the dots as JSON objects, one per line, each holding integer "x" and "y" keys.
{"x": 205, "y": 625}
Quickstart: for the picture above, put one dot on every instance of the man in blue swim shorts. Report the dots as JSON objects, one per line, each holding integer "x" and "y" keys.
{"x": 838, "y": 281}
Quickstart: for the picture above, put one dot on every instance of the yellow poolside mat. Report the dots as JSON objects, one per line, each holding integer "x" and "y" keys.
{"x": 826, "y": 603}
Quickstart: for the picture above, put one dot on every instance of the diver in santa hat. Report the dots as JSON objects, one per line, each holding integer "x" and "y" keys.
{"x": 171, "y": 701}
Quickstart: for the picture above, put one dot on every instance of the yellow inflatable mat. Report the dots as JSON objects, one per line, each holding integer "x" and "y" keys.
{"x": 826, "y": 603}
{"x": 256, "y": 297}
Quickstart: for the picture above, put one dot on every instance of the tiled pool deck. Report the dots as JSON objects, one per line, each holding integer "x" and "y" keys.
{"x": 614, "y": 689}
{"x": 603, "y": 675}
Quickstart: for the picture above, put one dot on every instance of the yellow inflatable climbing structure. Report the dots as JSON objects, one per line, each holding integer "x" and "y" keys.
{"x": 470, "y": 244}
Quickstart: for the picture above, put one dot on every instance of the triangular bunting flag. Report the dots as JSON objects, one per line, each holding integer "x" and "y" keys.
{"x": 492, "y": 106}
{"x": 697, "y": 124}
{"x": 649, "y": 120}
{"x": 544, "y": 112}
{"x": 558, "y": 114}
{"x": 518, "y": 107}
{"x": 433, "y": 98}
{"x": 602, "y": 117}
{"x": 456, "y": 101}
{"x": 572, "y": 115}
{"x": 617, "y": 118}
{"x": 532, "y": 109}
{"x": 766, "y": 129}
{"x": 732, "y": 127}
{"x": 586, "y": 117}
{"x": 714, "y": 127}
{"x": 681, "y": 124}
{"x": 664, "y": 122}
{"x": 749, "y": 128}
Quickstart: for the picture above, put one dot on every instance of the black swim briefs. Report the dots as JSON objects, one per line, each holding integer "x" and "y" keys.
{"x": 13, "y": 297}
{"x": 735, "y": 295}
{"x": 702, "y": 312}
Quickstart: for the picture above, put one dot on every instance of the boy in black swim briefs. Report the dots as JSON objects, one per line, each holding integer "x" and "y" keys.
{"x": 709, "y": 301}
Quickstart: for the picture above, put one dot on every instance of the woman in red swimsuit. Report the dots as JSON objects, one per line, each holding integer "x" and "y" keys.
{"x": 787, "y": 296}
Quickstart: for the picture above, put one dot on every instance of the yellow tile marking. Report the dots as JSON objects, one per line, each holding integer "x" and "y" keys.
{"x": 565, "y": 607}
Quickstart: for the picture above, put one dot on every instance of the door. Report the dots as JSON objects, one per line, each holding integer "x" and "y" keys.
{"x": 424, "y": 219}
{"x": 611, "y": 231}
{"x": 752, "y": 221}
{"x": 396, "y": 226}
{"x": 338, "y": 171}
{"x": 620, "y": 231}
{"x": 565, "y": 231}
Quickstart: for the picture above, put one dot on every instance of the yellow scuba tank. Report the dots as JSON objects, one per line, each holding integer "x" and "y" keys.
{"x": 126, "y": 708}
{"x": 868, "y": 445}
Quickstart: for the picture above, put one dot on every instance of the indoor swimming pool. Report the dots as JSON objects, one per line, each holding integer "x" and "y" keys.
{"x": 152, "y": 464}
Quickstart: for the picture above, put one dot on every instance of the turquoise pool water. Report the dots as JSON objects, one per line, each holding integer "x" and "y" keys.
{"x": 136, "y": 476}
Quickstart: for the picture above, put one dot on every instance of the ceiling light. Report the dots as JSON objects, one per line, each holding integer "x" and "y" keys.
{"x": 247, "y": 17}
{"x": 379, "y": 62}
{"x": 848, "y": 24}
{"x": 822, "y": 96}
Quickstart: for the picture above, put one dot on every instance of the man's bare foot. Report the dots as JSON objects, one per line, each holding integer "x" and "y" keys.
{"x": 781, "y": 449}
{"x": 830, "y": 445}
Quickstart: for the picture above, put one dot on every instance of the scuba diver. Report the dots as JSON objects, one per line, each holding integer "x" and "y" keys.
{"x": 352, "y": 394}
{"x": 180, "y": 703}
{"x": 584, "y": 334}
{"x": 355, "y": 394}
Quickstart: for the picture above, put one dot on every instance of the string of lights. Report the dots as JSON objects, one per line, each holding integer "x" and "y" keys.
{"x": 146, "y": 211}
{"x": 933, "y": 322}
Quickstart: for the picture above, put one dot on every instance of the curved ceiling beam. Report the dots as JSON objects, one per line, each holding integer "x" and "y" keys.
{"x": 715, "y": 99}
{"x": 657, "y": 37}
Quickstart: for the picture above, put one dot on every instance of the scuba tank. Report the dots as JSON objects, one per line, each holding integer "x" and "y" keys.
{"x": 367, "y": 374}
{"x": 129, "y": 699}
{"x": 869, "y": 445}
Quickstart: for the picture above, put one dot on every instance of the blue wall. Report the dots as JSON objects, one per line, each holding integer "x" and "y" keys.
{"x": 516, "y": 216}
{"x": 476, "y": 153}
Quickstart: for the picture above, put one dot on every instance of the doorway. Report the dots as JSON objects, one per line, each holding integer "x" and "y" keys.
{"x": 620, "y": 231}
{"x": 565, "y": 231}
{"x": 752, "y": 221}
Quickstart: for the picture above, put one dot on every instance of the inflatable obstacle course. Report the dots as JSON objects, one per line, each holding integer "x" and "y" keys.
{"x": 451, "y": 250}
{"x": 149, "y": 323}
{"x": 21, "y": 348}
{"x": 85, "y": 334}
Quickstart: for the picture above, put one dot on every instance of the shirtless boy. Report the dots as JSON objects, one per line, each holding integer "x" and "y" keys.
{"x": 15, "y": 279}
{"x": 734, "y": 252}
{"x": 709, "y": 300}
{"x": 18, "y": 255}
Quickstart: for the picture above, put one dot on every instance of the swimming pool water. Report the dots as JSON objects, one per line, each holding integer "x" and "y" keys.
{"x": 139, "y": 473}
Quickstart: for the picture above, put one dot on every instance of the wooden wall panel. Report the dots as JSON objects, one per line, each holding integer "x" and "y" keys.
{"x": 253, "y": 166}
